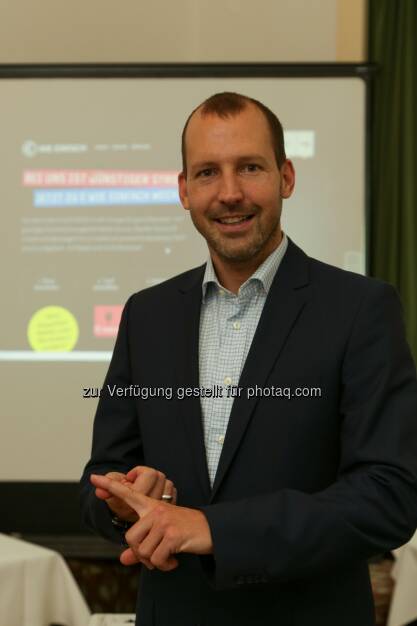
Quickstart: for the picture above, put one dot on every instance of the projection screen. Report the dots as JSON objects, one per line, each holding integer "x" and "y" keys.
{"x": 91, "y": 214}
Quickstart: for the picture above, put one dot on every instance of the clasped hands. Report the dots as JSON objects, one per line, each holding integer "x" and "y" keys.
{"x": 160, "y": 529}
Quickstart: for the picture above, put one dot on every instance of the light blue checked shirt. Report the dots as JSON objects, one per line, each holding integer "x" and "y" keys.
{"x": 227, "y": 325}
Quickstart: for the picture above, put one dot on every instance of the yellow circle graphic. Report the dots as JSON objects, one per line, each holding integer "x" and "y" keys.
{"x": 53, "y": 329}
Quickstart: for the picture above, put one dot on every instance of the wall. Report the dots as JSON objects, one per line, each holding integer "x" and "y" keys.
{"x": 58, "y": 31}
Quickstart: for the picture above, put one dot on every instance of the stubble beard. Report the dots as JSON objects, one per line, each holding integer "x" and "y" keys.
{"x": 231, "y": 249}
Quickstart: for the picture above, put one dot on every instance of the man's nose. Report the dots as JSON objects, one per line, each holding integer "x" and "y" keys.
{"x": 230, "y": 191}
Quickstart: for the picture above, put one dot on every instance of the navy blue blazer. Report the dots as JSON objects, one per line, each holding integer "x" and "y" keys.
{"x": 307, "y": 488}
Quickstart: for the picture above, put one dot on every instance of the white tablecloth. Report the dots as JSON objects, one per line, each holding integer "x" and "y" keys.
{"x": 37, "y": 588}
{"x": 403, "y": 609}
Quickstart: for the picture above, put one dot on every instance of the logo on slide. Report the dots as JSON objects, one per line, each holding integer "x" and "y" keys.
{"x": 29, "y": 148}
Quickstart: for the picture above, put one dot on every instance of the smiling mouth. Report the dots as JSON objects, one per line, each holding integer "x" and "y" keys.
{"x": 234, "y": 220}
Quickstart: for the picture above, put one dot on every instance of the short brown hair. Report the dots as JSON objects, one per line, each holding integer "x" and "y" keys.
{"x": 227, "y": 104}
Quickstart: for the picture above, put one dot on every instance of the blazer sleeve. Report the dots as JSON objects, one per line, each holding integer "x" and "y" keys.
{"x": 372, "y": 506}
{"x": 117, "y": 443}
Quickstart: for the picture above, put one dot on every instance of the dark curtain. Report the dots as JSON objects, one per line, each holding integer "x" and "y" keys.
{"x": 393, "y": 234}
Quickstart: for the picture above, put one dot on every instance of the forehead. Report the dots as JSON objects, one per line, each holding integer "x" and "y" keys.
{"x": 210, "y": 136}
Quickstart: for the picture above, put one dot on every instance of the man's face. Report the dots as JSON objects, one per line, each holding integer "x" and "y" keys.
{"x": 233, "y": 187}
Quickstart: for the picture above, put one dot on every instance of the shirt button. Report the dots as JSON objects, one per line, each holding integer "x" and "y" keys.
{"x": 236, "y": 325}
{"x": 227, "y": 380}
{"x": 220, "y": 439}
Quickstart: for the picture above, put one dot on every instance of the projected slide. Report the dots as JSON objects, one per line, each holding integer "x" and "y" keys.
{"x": 91, "y": 211}
{"x": 90, "y": 214}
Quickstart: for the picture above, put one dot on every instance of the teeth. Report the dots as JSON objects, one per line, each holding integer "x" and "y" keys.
{"x": 232, "y": 220}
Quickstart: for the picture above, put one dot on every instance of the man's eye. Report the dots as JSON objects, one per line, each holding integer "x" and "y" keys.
{"x": 251, "y": 167}
{"x": 205, "y": 173}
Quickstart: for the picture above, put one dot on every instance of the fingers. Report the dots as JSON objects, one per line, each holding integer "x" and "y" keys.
{"x": 162, "y": 557}
{"x": 143, "y": 551}
{"x": 124, "y": 491}
{"x": 168, "y": 490}
{"x": 150, "y": 482}
{"x": 137, "y": 533}
{"x": 128, "y": 557}
{"x": 134, "y": 537}
{"x": 103, "y": 494}
{"x": 139, "y": 470}
{"x": 159, "y": 487}
{"x": 135, "y": 472}
{"x": 116, "y": 476}
{"x": 149, "y": 544}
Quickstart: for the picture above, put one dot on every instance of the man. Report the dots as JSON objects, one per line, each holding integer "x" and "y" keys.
{"x": 279, "y": 496}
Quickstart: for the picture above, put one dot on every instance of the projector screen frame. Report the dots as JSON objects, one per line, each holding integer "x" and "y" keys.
{"x": 43, "y": 507}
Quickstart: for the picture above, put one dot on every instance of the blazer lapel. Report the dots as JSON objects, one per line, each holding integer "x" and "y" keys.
{"x": 188, "y": 376}
{"x": 284, "y": 304}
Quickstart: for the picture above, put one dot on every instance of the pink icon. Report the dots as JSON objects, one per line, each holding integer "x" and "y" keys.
{"x": 107, "y": 320}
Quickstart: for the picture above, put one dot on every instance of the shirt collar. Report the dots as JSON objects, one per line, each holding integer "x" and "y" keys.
{"x": 264, "y": 274}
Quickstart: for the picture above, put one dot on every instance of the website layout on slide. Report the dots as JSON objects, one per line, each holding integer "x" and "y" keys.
{"x": 91, "y": 212}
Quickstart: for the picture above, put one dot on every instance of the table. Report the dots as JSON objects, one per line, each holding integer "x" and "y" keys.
{"x": 403, "y": 609}
{"x": 37, "y": 588}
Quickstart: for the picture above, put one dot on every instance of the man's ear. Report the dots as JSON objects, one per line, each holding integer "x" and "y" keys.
{"x": 182, "y": 190}
{"x": 287, "y": 179}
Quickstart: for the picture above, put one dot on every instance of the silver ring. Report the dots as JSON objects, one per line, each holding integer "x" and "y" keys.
{"x": 166, "y": 496}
